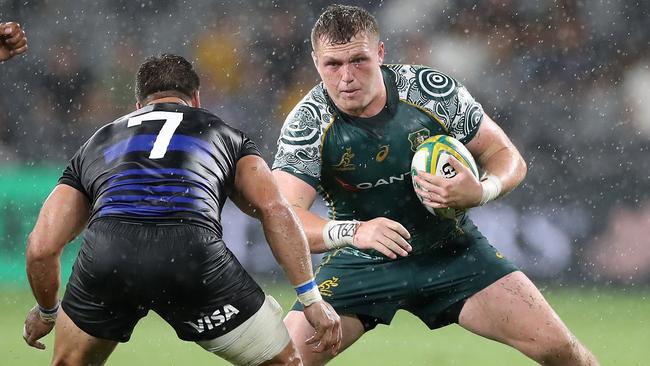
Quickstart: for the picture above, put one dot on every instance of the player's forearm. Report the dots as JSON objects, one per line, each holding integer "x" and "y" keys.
{"x": 287, "y": 241}
{"x": 314, "y": 226}
{"x": 43, "y": 272}
{"x": 508, "y": 166}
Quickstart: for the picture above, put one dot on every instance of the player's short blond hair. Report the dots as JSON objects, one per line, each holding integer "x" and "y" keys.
{"x": 338, "y": 24}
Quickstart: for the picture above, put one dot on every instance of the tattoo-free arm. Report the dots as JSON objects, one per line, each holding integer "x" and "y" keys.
{"x": 257, "y": 194}
{"x": 497, "y": 155}
{"x": 63, "y": 216}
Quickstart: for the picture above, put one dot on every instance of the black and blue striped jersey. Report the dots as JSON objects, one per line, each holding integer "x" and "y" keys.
{"x": 162, "y": 163}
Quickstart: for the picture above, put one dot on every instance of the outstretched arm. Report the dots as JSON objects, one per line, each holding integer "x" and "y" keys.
{"x": 63, "y": 216}
{"x": 384, "y": 235}
{"x": 257, "y": 193}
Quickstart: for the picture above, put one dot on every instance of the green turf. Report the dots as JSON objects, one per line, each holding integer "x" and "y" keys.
{"x": 614, "y": 323}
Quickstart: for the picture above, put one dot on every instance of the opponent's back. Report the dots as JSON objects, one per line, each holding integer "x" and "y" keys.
{"x": 162, "y": 163}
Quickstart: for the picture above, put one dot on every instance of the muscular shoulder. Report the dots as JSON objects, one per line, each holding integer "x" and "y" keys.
{"x": 299, "y": 142}
{"x": 308, "y": 118}
{"x": 441, "y": 95}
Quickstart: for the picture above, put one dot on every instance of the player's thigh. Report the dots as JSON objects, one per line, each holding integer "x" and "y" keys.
{"x": 73, "y": 346}
{"x": 261, "y": 339}
{"x": 514, "y": 312}
{"x": 289, "y": 356}
{"x": 300, "y": 330}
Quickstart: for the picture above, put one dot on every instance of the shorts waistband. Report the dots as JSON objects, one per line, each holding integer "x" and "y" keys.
{"x": 173, "y": 229}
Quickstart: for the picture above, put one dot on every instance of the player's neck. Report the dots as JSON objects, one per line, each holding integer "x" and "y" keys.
{"x": 168, "y": 100}
{"x": 376, "y": 104}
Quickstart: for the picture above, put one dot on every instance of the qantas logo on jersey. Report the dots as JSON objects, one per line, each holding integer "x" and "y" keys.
{"x": 367, "y": 185}
{"x": 217, "y": 318}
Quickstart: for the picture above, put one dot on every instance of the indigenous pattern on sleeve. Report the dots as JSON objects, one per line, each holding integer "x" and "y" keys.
{"x": 299, "y": 145}
{"x": 442, "y": 96}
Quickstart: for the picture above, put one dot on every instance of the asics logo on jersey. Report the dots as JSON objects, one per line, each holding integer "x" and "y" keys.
{"x": 217, "y": 318}
{"x": 382, "y": 154}
{"x": 367, "y": 185}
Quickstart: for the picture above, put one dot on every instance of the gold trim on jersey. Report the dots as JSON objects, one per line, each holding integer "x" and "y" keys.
{"x": 329, "y": 200}
{"x": 428, "y": 113}
{"x": 326, "y": 260}
{"x": 322, "y": 138}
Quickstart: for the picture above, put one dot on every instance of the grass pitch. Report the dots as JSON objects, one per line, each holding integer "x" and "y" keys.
{"x": 613, "y": 323}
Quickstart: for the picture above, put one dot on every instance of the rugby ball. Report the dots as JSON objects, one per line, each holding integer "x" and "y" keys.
{"x": 432, "y": 156}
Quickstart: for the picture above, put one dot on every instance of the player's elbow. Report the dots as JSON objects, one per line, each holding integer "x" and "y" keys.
{"x": 39, "y": 248}
{"x": 274, "y": 208}
{"x": 522, "y": 168}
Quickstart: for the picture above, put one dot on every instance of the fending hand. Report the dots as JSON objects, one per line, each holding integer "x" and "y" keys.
{"x": 327, "y": 327}
{"x": 36, "y": 328}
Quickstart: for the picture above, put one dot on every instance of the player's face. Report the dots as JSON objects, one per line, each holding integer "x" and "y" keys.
{"x": 352, "y": 75}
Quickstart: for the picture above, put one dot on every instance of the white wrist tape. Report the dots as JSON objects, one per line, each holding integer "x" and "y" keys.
{"x": 48, "y": 315}
{"x": 308, "y": 293}
{"x": 491, "y": 189}
{"x": 338, "y": 234}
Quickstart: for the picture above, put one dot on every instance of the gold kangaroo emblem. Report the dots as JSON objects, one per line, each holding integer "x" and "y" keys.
{"x": 346, "y": 161}
{"x": 325, "y": 286}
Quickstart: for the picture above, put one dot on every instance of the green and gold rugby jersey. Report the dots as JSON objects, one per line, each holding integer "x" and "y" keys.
{"x": 361, "y": 166}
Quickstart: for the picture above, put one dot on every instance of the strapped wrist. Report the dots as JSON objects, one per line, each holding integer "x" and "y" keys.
{"x": 308, "y": 293}
{"x": 338, "y": 234}
{"x": 491, "y": 189}
{"x": 48, "y": 315}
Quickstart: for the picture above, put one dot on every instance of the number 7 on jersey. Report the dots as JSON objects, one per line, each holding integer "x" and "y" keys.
{"x": 172, "y": 121}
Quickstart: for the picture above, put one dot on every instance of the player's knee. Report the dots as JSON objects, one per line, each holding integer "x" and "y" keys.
{"x": 288, "y": 357}
{"x": 65, "y": 359}
{"x": 310, "y": 358}
{"x": 563, "y": 350}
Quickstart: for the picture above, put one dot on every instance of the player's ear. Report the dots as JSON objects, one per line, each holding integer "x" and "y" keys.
{"x": 138, "y": 105}
{"x": 196, "y": 99}
{"x": 314, "y": 58}
{"x": 380, "y": 52}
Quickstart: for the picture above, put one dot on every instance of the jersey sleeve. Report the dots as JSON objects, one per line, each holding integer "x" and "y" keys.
{"x": 248, "y": 147}
{"x": 72, "y": 173}
{"x": 299, "y": 144}
{"x": 442, "y": 97}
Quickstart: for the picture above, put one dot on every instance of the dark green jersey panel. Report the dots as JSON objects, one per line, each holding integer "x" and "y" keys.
{"x": 361, "y": 166}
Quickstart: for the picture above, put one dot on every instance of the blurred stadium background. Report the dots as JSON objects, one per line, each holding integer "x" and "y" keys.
{"x": 569, "y": 81}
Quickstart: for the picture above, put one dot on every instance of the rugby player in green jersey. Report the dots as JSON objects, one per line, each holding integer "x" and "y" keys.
{"x": 351, "y": 140}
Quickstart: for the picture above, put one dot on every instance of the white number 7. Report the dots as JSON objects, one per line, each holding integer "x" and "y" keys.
{"x": 172, "y": 120}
